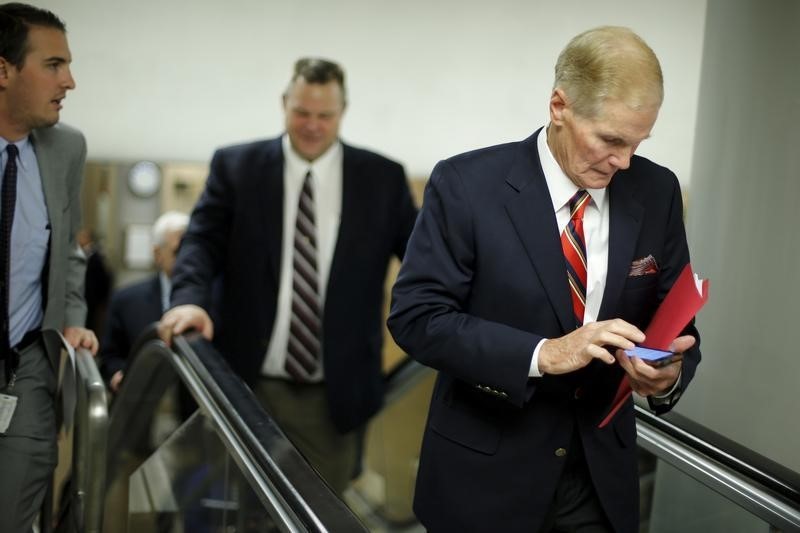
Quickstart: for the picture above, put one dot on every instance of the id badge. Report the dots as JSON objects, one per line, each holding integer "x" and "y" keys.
{"x": 8, "y": 404}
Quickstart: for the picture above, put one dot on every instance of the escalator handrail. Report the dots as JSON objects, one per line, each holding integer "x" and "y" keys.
{"x": 773, "y": 476}
{"x": 302, "y": 490}
{"x": 89, "y": 447}
{"x": 740, "y": 459}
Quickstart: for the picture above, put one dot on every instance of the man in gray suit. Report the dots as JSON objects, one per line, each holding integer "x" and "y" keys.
{"x": 42, "y": 285}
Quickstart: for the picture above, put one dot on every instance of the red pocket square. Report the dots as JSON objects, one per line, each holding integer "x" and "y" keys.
{"x": 644, "y": 266}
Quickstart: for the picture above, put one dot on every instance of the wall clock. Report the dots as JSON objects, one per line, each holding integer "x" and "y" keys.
{"x": 144, "y": 179}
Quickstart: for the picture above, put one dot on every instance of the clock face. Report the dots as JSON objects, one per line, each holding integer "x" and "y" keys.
{"x": 144, "y": 179}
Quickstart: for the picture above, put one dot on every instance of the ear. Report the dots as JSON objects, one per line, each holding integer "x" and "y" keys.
{"x": 4, "y": 71}
{"x": 558, "y": 106}
{"x": 157, "y": 256}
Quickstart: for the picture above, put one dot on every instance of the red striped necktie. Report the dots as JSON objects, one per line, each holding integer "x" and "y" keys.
{"x": 574, "y": 246}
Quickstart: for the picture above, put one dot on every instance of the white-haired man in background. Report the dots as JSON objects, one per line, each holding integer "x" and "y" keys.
{"x": 136, "y": 306}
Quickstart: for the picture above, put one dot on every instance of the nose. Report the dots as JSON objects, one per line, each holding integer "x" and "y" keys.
{"x": 68, "y": 81}
{"x": 621, "y": 159}
{"x": 312, "y": 124}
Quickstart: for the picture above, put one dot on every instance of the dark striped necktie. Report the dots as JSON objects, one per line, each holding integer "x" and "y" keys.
{"x": 303, "y": 353}
{"x": 8, "y": 202}
{"x": 574, "y": 246}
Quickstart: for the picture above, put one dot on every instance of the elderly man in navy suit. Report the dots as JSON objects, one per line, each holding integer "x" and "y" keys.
{"x": 136, "y": 306}
{"x": 532, "y": 266}
{"x": 301, "y": 229}
{"x": 43, "y": 268}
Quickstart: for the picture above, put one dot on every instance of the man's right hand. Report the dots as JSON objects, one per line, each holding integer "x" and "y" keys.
{"x": 575, "y": 350}
{"x": 182, "y": 318}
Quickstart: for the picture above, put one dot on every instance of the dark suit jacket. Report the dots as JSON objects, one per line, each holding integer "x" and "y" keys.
{"x": 236, "y": 230}
{"x": 131, "y": 310}
{"x": 482, "y": 283}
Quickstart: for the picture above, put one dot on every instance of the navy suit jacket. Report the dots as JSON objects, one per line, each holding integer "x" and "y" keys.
{"x": 482, "y": 283}
{"x": 131, "y": 310}
{"x": 236, "y": 231}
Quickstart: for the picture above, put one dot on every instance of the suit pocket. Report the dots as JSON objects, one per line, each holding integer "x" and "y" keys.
{"x": 638, "y": 299}
{"x": 469, "y": 419}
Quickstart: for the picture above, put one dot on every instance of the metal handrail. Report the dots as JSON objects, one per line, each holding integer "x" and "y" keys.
{"x": 744, "y": 491}
{"x": 89, "y": 443}
{"x": 293, "y": 492}
{"x": 82, "y": 394}
{"x": 752, "y": 481}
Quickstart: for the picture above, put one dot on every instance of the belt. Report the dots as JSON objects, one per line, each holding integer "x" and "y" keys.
{"x": 12, "y": 357}
{"x": 28, "y": 340}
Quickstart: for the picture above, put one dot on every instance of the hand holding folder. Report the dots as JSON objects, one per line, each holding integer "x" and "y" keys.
{"x": 687, "y": 296}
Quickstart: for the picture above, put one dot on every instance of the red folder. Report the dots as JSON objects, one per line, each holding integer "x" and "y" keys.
{"x": 687, "y": 296}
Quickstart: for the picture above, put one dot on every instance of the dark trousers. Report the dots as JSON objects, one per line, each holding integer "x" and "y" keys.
{"x": 576, "y": 507}
{"x": 28, "y": 451}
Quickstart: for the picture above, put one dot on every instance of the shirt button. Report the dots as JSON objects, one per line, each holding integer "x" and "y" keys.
{"x": 561, "y": 452}
{"x": 578, "y": 394}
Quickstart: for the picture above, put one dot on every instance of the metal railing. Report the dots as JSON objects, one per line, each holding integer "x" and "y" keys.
{"x": 749, "y": 480}
{"x": 82, "y": 394}
{"x": 294, "y": 495}
{"x": 765, "y": 489}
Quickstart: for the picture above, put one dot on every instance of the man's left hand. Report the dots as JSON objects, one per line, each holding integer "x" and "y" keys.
{"x": 81, "y": 338}
{"x": 648, "y": 380}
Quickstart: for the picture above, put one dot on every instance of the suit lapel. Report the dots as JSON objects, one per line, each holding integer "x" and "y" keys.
{"x": 531, "y": 212}
{"x": 349, "y": 212}
{"x": 270, "y": 198}
{"x": 625, "y": 219}
{"x": 55, "y": 189}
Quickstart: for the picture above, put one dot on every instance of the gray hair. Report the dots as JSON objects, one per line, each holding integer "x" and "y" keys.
{"x": 609, "y": 62}
{"x": 167, "y": 223}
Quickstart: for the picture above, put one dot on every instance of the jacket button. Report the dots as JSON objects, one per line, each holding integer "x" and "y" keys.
{"x": 561, "y": 452}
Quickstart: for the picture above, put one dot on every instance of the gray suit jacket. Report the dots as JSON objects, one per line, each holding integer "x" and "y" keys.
{"x": 61, "y": 154}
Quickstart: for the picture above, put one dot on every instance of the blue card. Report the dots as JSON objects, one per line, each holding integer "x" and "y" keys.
{"x": 653, "y": 357}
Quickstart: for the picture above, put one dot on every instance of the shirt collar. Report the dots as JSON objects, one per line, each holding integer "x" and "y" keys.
{"x": 560, "y": 186}
{"x": 24, "y": 146}
{"x": 319, "y": 167}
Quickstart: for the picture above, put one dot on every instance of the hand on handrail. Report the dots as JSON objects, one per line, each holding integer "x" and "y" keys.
{"x": 181, "y": 319}
{"x": 81, "y": 338}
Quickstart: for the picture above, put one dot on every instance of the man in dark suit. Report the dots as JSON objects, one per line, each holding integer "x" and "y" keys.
{"x": 43, "y": 286}
{"x": 528, "y": 365}
{"x": 136, "y": 306}
{"x": 301, "y": 229}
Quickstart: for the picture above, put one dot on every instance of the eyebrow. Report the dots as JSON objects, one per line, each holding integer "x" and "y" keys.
{"x": 57, "y": 59}
{"x": 615, "y": 137}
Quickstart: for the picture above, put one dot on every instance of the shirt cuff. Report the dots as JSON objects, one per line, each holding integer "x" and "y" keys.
{"x": 659, "y": 399}
{"x": 533, "y": 371}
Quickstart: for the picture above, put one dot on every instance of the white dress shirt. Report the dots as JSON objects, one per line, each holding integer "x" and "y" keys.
{"x": 595, "y": 231}
{"x": 326, "y": 175}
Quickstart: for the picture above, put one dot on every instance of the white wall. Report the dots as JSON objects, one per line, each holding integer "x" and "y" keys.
{"x": 175, "y": 79}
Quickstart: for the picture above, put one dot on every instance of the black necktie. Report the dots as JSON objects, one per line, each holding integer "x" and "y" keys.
{"x": 7, "y": 204}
